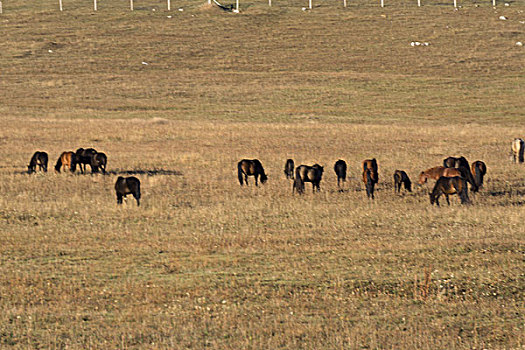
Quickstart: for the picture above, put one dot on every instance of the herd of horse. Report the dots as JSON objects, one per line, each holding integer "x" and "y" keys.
{"x": 69, "y": 160}
{"x": 83, "y": 157}
{"x": 451, "y": 178}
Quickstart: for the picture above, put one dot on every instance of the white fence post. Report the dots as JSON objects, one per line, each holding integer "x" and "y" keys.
{"x": 455, "y": 4}
{"x": 60, "y": 4}
{"x": 493, "y": 2}
{"x": 418, "y": 3}
{"x": 270, "y": 3}
{"x": 237, "y": 5}
{"x": 383, "y": 3}
{"x": 310, "y": 4}
{"x": 131, "y": 5}
{"x": 344, "y": 3}
{"x": 169, "y": 5}
{"x": 94, "y": 5}
{"x": 1, "y": 10}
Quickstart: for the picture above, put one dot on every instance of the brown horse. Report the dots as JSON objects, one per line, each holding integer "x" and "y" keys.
{"x": 448, "y": 186}
{"x": 368, "y": 180}
{"x": 66, "y": 160}
{"x": 518, "y": 146}
{"x": 305, "y": 173}
{"x": 250, "y": 167}
{"x": 340, "y": 171}
{"x": 437, "y": 172}
{"x": 127, "y": 185}
{"x": 401, "y": 178}
{"x": 479, "y": 169}
{"x": 289, "y": 168}
{"x": 40, "y": 159}
{"x": 371, "y": 164}
{"x": 462, "y": 164}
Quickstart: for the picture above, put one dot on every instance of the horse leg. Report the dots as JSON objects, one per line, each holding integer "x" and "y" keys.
{"x": 137, "y": 198}
{"x": 119, "y": 198}
{"x": 256, "y": 178}
{"x": 448, "y": 201}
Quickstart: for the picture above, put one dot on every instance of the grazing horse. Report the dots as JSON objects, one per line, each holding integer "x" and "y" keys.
{"x": 250, "y": 167}
{"x": 40, "y": 159}
{"x": 368, "y": 179}
{"x": 479, "y": 169}
{"x": 99, "y": 161}
{"x": 371, "y": 164}
{"x": 437, "y": 172}
{"x": 305, "y": 173}
{"x": 518, "y": 146}
{"x": 289, "y": 168}
{"x": 462, "y": 164}
{"x": 447, "y": 186}
{"x": 340, "y": 171}
{"x": 401, "y": 178}
{"x": 127, "y": 185}
{"x": 66, "y": 160}
{"x": 84, "y": 157}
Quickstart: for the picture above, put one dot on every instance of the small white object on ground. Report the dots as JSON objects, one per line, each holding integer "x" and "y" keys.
{"x": 50, "y": 51}
{"x": 503, "y": 18}
{"x": 519, "y": 43}
{"x": 145, "y": 63}
{"x": 169, "y": 16}
{"x": 181, "y": 9}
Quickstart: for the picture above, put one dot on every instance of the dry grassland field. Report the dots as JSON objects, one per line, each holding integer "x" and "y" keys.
{"x": 206, "y": 263}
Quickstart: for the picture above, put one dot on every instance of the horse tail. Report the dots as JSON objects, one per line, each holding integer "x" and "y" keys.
{"x": 240, "y": 172}
{"x": 369, "y": 182}
{"x": 521, "y": 150}
{"x": 298, "y": 183}
{"x": 478, "y": 175}
{"x": 58, "y": 165}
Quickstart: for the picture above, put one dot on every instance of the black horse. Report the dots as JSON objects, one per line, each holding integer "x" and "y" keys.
{"x": 40, "y": 159}
{"x": 289, "y": 168}
{"x": 305, "y": 173}
{"x": 340, "y": 171}
{"x": 250, "y": 167}
{"x": 401, "y": 178}
{"x": 127, "y": 185}
{"x": 83, "y": 157}
{"x": 98, "y": 161}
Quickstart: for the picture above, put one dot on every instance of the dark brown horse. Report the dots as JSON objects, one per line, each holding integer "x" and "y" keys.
{"x": 127, "y": 185}
{"x": 479, "y": 169}
{"x": 437, "y": 172}
{"x": 99, "y": 161}
{"x": 66, "y": 160}
{"x": 401, "y": 178}
{"x": 250, "y": 167}
{"x": 340, "y": 171}
{"x": 84, "y": 158}
{"x": 448, "y": 186}
{"x": 40, "y": 159}
{"x": 289, "y": 167}
{"x": 305, "y": 173}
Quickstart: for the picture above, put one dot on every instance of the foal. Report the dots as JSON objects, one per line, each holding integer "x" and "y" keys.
{"x": 401, "y": 178}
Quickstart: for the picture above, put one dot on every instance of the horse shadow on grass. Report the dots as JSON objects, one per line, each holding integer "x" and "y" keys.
{"x": 114, "y": 172}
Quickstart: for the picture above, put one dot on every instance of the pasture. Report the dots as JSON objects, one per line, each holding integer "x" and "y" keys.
{"x": 204, "y": 263}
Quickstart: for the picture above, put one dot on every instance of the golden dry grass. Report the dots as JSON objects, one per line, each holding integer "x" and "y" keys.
{"x": 205, "y": 263}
